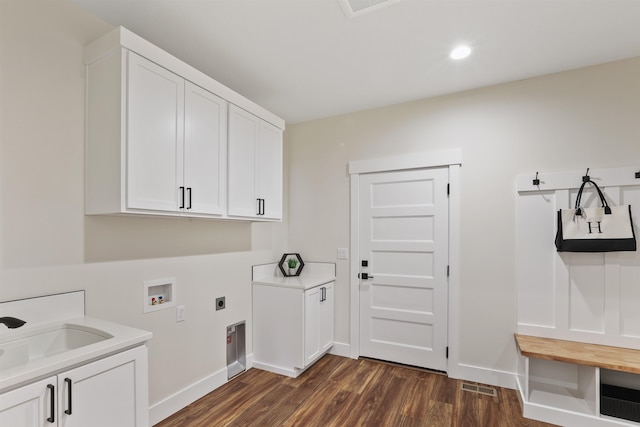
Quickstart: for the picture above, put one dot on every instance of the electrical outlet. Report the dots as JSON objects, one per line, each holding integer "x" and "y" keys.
{"x": 180, "y": 313}
{"x": 220, "y": 303}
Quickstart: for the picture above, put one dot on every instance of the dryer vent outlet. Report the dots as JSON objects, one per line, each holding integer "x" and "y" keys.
{"x": 220, "y": 303}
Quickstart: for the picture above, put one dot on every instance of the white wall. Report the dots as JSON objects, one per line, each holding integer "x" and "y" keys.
{"x": 573, "y": 120}
{"x": 47, "y": 243}
{"x": 566, "y": 121}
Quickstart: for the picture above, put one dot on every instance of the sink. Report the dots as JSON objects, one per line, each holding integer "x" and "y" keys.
{"x": 47, "y": 342}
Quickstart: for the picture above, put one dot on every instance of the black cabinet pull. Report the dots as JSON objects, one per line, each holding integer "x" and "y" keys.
{"x": 52, "y": 390}
{"x": 263, "y": 203}
{"x": 189, "y": 190}
{"x": 69, "y": 394}
{"x": 181, "y": 197}
{"x": 323, "y": 294}
{"x": 260, "y": 206}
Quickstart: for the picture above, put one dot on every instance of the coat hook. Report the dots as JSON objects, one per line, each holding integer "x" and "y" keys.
{"x": 536, "y": 181}
{"x": 586, "y": 177}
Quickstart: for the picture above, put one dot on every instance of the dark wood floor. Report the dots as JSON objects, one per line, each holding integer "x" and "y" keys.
{"x": 343, "y": 392}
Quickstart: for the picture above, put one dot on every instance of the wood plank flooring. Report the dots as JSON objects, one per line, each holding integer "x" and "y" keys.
{"x": 339, "y": 391}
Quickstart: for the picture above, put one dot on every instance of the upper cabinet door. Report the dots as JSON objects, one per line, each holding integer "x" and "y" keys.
{"x": 155, "y": 115}
{"x": 270, "y": 170}
{"x": 205, "y": 152}
{"x": 243, "y": 137}
{"x": 255, "y": 167}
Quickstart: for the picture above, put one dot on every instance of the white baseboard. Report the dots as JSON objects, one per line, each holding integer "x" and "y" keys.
{"x": 341, "y": 349}
{"x": 292, "y": 373}
{"x": 172, "y": 404}
{"x": 483, "y": 375}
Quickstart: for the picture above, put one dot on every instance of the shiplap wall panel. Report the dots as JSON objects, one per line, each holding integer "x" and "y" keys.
{"x": 588, "y": 297}
{"x": 536, "y": 301}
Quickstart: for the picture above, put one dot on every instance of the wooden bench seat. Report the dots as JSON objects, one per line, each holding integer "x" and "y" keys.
{"x": 599, "y": 356}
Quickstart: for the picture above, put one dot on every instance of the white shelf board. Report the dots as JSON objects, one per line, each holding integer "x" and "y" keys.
{"x": 555, "y": 396}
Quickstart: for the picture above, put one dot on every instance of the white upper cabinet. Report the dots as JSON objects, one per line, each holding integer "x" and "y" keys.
{"x": 255, "y": 167}
{"x": 157, "y": 138}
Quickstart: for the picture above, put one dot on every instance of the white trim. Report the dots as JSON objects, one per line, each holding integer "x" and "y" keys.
{"x": 446, "y": 158}
{"x": 354, "y": 282}
{"x": 407, "y": 161}
{"x": 172, "y": 404}
{"x": 292, "y": 373}
{"x": 341, "y": 349}
{"x": 454, "y": 268}
{"x": 487, "y": 376}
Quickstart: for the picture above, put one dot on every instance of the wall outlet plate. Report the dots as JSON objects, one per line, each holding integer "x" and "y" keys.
{"x": 220, "y": 303}
{"x": 180, "y": 313}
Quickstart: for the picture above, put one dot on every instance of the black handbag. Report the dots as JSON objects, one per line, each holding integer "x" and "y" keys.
{"x": 600, "y": 229}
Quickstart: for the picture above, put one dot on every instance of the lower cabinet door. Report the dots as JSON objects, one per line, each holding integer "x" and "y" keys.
{"x": 326, "y": 318}
{"x": 318, "y": 321}
{"x": 311, "y": 324}
{"x": 103, "y": 393}
{"x": 30, "y": 406}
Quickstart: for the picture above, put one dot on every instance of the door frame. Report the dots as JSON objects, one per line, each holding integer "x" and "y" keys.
{"x": 451, "y": 159}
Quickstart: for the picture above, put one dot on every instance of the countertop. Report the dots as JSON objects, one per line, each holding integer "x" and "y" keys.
{"x": 313, "y": 274}
{"x": 123, "y": 338}
{"x": 304, "y": 281}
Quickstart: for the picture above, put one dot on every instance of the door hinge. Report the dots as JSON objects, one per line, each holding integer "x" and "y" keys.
{"x": 448, "y": 188}
{"x": 447, "y": 271}
{"x": 447, "y": 355}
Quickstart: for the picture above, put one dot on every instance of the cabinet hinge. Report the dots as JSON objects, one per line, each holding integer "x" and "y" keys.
{"x": 447, "y": 352}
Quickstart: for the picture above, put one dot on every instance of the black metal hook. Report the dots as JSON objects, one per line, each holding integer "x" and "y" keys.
{"x": 536, "y": 181}
{"x": 586, "y": 177}
{"x": 638, "y": 175}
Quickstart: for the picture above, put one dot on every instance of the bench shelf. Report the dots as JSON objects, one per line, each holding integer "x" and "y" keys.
{"x": 560, "y": 381}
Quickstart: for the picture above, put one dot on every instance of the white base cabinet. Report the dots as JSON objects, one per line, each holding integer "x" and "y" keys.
{"x": 292, "y": 326}
{"x": 108, "y": 392}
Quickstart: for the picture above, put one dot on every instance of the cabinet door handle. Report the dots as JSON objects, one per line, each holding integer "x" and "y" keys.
{"x": 69, "y": 394}
{"x": 52, "y": 390}
{"x": 323, "y": 294}
{"x": 189, "y": 190}
{"x": 260, "y": 206}
{"x": 181, "y": 197}
{"x": 263, "y": 203}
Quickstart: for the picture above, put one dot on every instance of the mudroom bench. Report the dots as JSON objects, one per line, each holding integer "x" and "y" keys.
{"x": 578, "y": 384}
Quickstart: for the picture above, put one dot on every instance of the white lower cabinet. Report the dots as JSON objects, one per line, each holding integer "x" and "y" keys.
{"x": 292, "y": 326}
{"x": 318, "y": 322}
{"x": 108, "y": 392}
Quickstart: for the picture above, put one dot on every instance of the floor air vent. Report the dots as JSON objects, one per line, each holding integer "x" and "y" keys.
{"x": 473, "y": 388}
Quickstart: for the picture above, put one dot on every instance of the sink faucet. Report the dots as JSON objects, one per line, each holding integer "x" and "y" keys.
{"x": 12, "y": 322}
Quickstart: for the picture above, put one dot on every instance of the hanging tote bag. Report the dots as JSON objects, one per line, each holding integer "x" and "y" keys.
{"x": 600, "y": 229}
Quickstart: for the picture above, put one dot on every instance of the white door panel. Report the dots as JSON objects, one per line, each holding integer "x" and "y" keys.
{"x": 404, "y": 237}
{"x": 155, "y": 107}
{"x": 205, "y": 154}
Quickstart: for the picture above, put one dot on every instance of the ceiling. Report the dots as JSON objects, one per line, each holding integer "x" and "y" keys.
{"x": 308, "y": 59}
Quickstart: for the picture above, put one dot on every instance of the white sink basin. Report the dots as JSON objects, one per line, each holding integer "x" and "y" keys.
{"x": 48, "y": 342}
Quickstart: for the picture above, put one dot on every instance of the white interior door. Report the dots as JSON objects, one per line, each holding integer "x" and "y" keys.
{"x": 404, "y": 237}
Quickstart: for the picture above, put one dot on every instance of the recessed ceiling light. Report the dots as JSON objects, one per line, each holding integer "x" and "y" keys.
{"x": 460, "y": 52}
